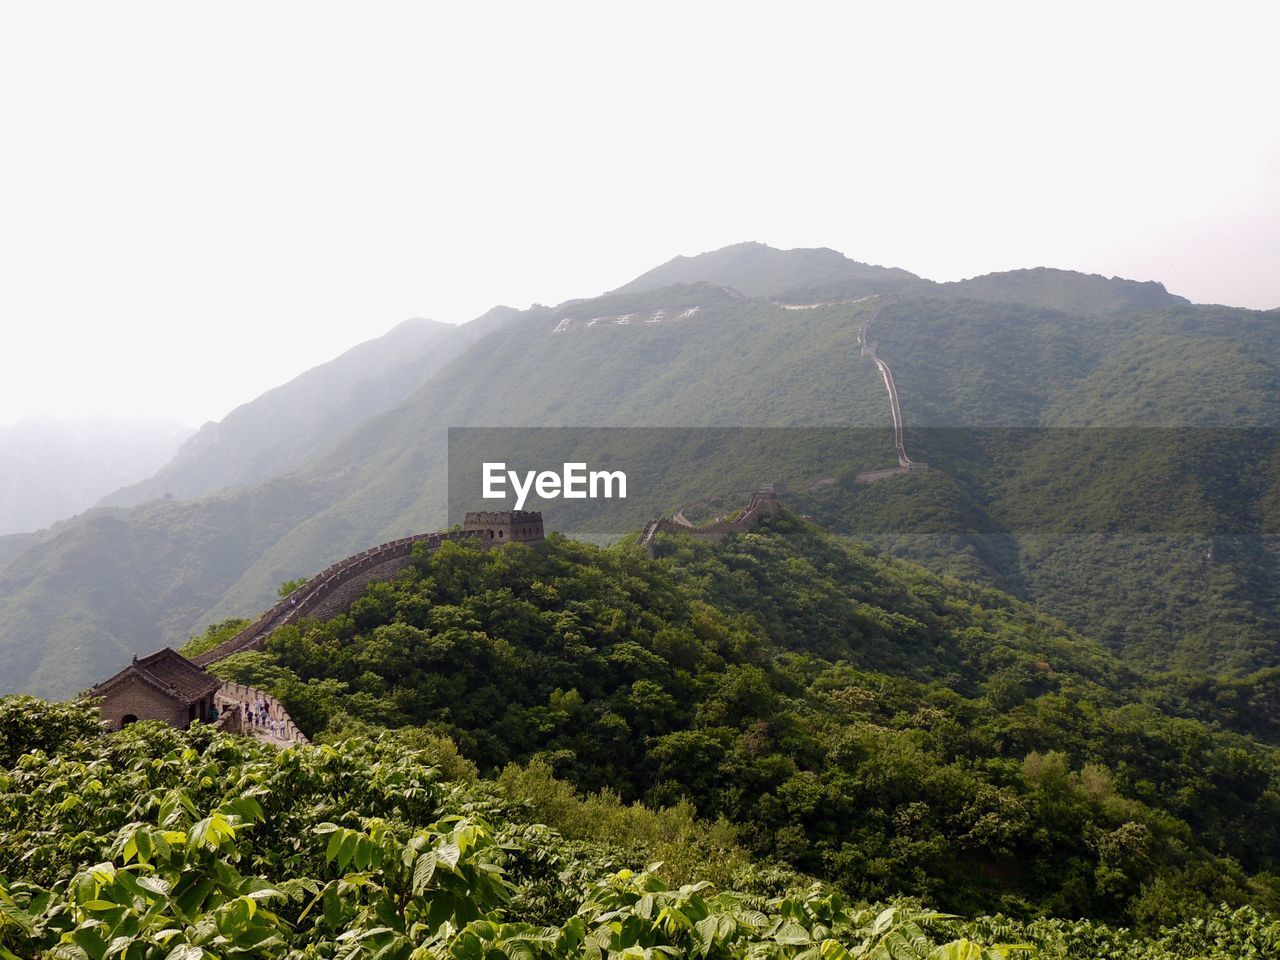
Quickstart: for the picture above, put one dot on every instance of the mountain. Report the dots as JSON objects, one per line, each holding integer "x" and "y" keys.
{"x": 804, "y": 276}
{"x": 13, "y": 544}
{"x": 789, "y": 276}
{"x": 882, "y": 728}
{"x": 265, "y": 437}
{"x": 51, "y": 469}
{"x": 1067, "y": 290}
{"x": 1031, "y": 516}
{"x": 1125, "y": 468}
{"x": 123, "y": 581}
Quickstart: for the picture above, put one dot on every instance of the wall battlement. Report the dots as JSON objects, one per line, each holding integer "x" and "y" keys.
{"x": 764, "y": 502}
{"x": 505, "y": 526}
{"x": 336, "y": 587}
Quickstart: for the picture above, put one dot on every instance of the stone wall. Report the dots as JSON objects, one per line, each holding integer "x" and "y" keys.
{"x": 134, "y": 698}
{"x": 764, "y": 502}
{"x": 349, "y": 587}
{"x": 324, "y": 594}
{"x": 231, "y": 700}
{"x": 506, "y": 526}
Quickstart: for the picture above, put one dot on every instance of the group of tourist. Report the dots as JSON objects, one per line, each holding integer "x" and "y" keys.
{"x": 258, "y": 714}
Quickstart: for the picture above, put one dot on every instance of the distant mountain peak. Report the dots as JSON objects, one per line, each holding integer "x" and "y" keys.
{"x": 760, "y": 271}
{"x": 1069, "y": 290}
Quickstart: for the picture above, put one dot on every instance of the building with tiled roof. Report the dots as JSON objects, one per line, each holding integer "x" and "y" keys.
{"x": 163, "y": 686}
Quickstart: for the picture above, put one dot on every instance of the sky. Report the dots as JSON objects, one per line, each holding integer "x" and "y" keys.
{"x": 198, "y": 202}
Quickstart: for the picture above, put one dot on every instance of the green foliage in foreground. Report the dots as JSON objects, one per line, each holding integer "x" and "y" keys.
{"x": 152, "y": 843}
{"x": 856, "y": 718}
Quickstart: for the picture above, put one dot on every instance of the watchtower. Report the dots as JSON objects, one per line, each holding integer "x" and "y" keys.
{"x": 505, "y": 526}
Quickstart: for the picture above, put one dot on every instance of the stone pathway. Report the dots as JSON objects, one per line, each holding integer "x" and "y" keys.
{"x": 231, "y": 700}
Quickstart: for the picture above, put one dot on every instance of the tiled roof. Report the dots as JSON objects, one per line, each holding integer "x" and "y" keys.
{"x": 168, "y": 672}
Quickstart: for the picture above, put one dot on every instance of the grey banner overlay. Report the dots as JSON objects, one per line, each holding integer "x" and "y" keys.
{"x": 982, "y": 481}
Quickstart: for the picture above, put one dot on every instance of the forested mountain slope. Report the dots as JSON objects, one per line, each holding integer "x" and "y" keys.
{"x": 702, "y": 353}
{"x": 1120, "y": 471}
{"x": 1068, "y": 290}
{"x": 732, "y": 361}
{"x": 882, "y": 727}
{"x": 806, "y": 276}
{"x": 790, "y": 276}
{"x": 51, "y": 468}
{"x": 267, "y": 436}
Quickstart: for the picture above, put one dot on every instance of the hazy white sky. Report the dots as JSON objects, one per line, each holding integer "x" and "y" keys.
{"x": 198, "y": 202}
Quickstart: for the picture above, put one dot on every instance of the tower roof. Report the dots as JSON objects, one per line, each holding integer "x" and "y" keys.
{"x": 168, "y": 672}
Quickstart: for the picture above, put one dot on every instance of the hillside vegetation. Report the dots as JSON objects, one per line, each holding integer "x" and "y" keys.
{"x": 788, "y": 276}
{"x": 153, "y": 843}
{"x": 1123, "y": 471}
{"x": 262, "y": 439}
{"x": 160, "y": 572}
{"x": 862, "y": 720}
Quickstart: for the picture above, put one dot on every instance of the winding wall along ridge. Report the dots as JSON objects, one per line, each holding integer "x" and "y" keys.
{"x": 353, "y": 571}
{"x": 762, "y": 502}
{"x": 233, "y": 696}
{"x": 767, "y": 499}
{"x": 886, "y": 374}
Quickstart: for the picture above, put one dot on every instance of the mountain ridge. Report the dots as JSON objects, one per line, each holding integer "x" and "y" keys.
{"x": 53, "y": 468}
{"x": 263, "y": 437}
{"x": 802, "y": 274}
{"x": 690, "y": 354}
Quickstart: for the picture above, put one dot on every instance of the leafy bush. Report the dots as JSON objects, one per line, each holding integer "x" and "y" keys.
{"x": 153, "y": 843}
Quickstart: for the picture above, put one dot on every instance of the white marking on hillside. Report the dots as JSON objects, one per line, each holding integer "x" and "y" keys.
{"x": 569, "y": 324}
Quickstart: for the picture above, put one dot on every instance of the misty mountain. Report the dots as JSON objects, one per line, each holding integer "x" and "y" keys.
{"x": 1085, "y": 293}
{"x": 51, "y": 469}
{"x": 788, "y": 276}
{"x": 12, "y": 544}
{"x": 702, "y": 353}
{"x": 805, "y": 276}
{"x": 119, "y": 581}
{"x": 266, "y": 436}
{"x": 1122, "y": 472}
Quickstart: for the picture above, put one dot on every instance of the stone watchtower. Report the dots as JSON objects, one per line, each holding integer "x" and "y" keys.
{"x": 504, "y": 526}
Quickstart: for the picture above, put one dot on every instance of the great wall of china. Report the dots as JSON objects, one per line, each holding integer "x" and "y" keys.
{"x": 895, "y": 407}
{"x": 329, "y": 592}
{"x": 332, "y": 590}
{"x": 233, "y": 699}
{"x": 765, "y": 500}
{"x": 172, "y": 688}
{"x": 336, "y": 587}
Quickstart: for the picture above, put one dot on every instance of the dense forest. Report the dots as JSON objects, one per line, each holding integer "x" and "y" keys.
{"x": 1117, "y": 471}
{"x": 853, "y": 716}
{"x": 154, "y": 843}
